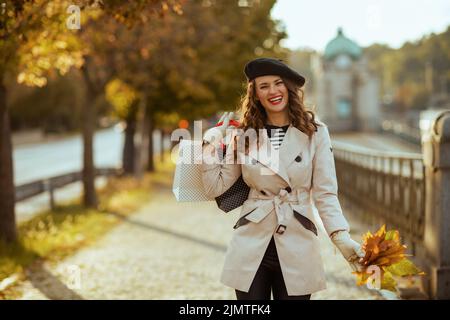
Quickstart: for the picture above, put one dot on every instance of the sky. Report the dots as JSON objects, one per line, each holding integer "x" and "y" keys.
{"x": 313, "y": 23}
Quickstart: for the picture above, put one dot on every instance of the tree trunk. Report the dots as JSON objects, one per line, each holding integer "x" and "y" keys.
{"x": 88, "y": 120}
{"x": 129, "y": 151}
{"x": 8, "y": 231}
{"x": 150, "y": 159}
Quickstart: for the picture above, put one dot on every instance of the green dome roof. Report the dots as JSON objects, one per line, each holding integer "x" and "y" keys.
{"x": 342, "y": 45}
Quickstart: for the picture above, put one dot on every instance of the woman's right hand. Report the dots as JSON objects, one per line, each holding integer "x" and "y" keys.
{"x": 216, "y": 135}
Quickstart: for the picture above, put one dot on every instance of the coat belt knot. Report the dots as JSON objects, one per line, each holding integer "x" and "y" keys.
{"x": 281, "y": 203}
{"x": 282, "y": 207}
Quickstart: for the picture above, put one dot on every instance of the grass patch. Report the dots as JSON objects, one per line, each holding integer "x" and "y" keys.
{"x": 53, "y": 235}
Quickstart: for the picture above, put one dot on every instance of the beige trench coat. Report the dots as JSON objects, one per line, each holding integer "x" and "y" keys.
{"x": 302, "y": 166}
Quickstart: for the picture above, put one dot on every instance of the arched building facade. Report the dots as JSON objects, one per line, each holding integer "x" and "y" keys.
{"x": 346, "y": 93}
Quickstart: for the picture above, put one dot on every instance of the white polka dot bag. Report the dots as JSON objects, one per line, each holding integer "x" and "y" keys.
{"x": 188, "y": 185}
{"x": 187, "y": 181}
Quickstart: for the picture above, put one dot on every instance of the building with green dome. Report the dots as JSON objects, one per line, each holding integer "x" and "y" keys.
{"x": 341, "y": 45}
{"x": 346, "y": 93}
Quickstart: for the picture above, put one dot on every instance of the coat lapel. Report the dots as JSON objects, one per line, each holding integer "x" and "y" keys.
{"x": 292, "y": 145}
{"x": 277, "y": 161}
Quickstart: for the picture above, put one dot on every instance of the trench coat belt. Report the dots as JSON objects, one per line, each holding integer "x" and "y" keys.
{"x": 281, "y": 203}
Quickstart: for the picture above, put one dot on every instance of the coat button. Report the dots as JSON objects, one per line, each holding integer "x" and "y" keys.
{"x": 298, "y": 159}
{"x": 281, "y": 229}
{"x": 263, "y": 192}
{"x": 288, "y": 189}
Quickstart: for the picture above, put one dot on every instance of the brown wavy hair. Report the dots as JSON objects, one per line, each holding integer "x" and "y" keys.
{"x": 254, "y": 116}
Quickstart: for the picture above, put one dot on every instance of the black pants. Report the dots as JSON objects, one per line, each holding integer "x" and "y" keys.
{"x": 269, "y": 279}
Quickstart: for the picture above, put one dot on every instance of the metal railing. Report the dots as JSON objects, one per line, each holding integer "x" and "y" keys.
{"x": 402, "y": 130}
{"x": 31, "y": 189}
{"x": 383, "y": 187}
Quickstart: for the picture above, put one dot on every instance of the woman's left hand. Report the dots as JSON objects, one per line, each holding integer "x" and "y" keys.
{"x": 350, "y": 249}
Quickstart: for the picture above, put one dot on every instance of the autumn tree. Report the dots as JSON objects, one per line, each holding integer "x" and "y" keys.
{"x": 101, "y": 64}
{"x": 125, "y": 101}
{"x": 191, "y": 65}
{"x": 34, "y": 39}
{"x": 33, "y": 42}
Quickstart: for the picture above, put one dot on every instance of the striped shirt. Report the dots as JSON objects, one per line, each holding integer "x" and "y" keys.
{"x": 276, "y": 134}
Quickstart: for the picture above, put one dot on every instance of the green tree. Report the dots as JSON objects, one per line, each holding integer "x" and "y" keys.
{"x": 416, "y": 73}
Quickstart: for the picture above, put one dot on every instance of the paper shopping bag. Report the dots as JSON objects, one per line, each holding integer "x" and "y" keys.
{"x": 187, "y": 182}
{"x": 188, "y": 185}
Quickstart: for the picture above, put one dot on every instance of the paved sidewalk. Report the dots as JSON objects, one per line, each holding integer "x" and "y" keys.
{"x": 167, "y": 250}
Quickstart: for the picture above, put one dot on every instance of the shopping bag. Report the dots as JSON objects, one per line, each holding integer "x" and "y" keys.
{"x": 187, "y": 181}
{"x": 234, "y": 197}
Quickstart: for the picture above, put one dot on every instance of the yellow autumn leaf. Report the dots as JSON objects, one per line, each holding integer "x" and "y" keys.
{"x": 404, "y": 267}
{"x": 392, "y": 235}
{"x": 381, "y": 232}
{"x": 388, "y": 282}
{"x": 367, "y": 236}
{"x": 361, "y": 277}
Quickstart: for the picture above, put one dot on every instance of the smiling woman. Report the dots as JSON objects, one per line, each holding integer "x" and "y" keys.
{"x": 272, "y": 93}
{"x": 275, "y": 249}
{"x": 274, "y": 98}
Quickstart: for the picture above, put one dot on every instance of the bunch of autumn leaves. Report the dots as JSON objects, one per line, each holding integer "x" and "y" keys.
{"x": 384, "y": 259}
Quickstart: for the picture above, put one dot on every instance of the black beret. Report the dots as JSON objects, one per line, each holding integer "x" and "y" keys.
{"x": 270, "y": 66}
